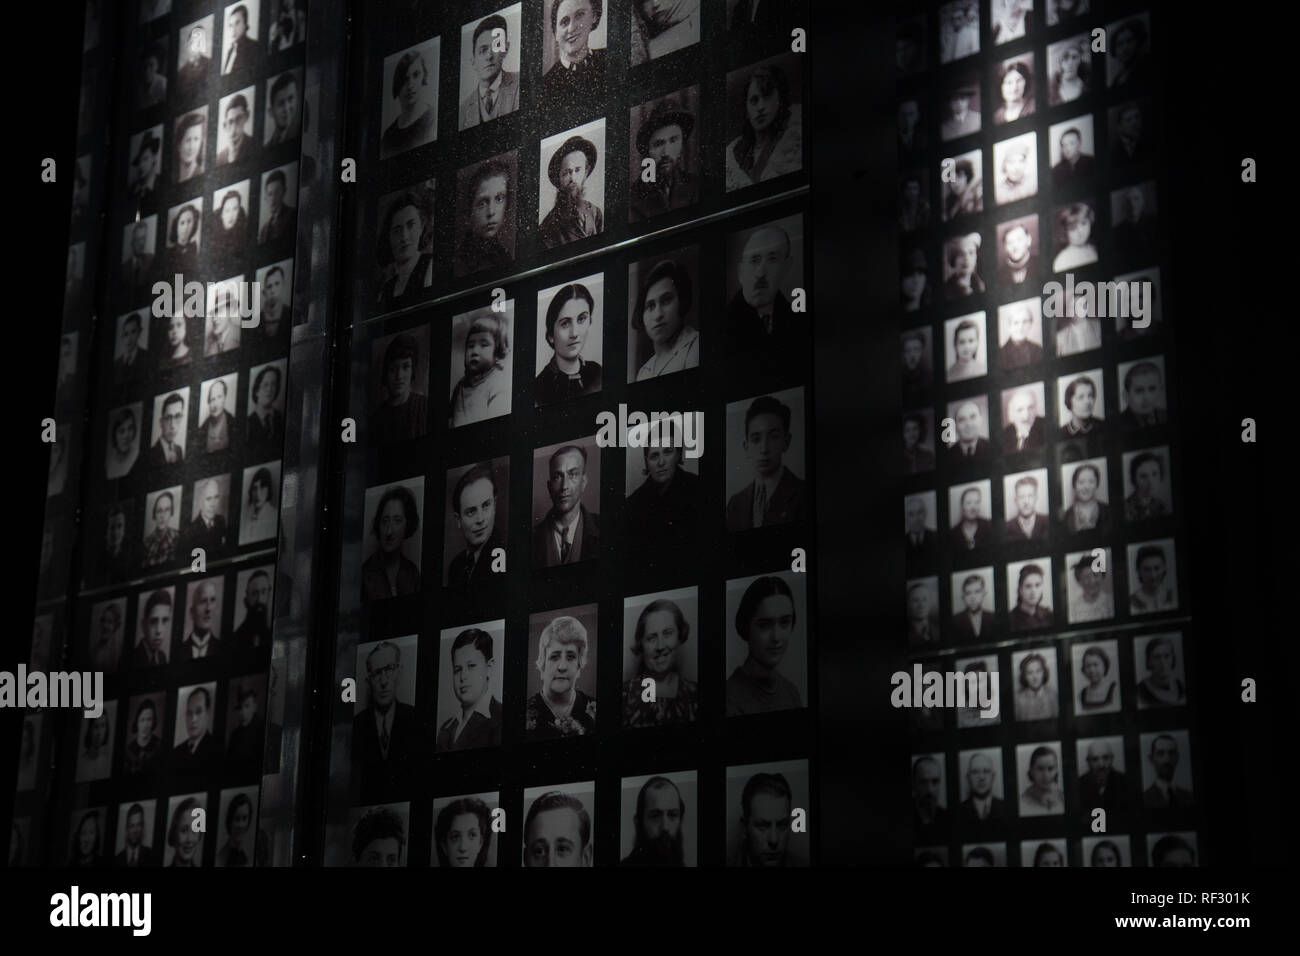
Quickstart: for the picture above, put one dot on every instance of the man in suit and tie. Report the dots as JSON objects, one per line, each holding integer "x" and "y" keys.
{"x": 569, "y": 532}
{"x": 970, "y": 444}
{"x": 973, "y": 622}
{"x": 474, "y": 508}
{"x": 1026, "y": 430}
{"x": 929, "y": 815}
{"x": 253, "y": 636}
{"x": 1164, "y": 794}
{"x": 242, "y": 51}
{"x": 1075, "y": 164}
{"x": 921, "y": 541}
{"x": 496, "y": 90}
{"x": 216, "y": 429}
{"x": 281, "y": 217}
{"x": 776, "y": 495}
{"x": 1027, "y": 524}
{"x": 981, "y": 810}
{"x": 198, "y": 752}
{"x": 662, "y": 138}
{"x": 239, "y": 139}
{"x": 1101, "y": 786}
{"x": 478, "y": 724}
{"x": 922, "y": 616}
{"x": 136, "y": 852}
{"x": 168, "y": 452}
{"x": 971, "y": 530}
{"x": 1018, "y": 351}
{"x": 387, "y": 739}
{"x": 286, "y": 109}
{"x": 203, "y": 640}
{"x": 759, "y": 316}
{"x": 137, "y": 266}
{"x": 153, "y": 647}
{"x": 131, "y": 359}
{"x": 207, "y": 530}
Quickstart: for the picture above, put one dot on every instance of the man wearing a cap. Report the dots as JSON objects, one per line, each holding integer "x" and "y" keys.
{"x": 961, "y": 119}
{"x": 572, "y": 217}
{"x": 662, "y": 138}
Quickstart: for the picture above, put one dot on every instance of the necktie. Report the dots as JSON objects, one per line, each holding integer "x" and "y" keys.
{"x": 383, "y": 739}
{"x": 564, "y": 550}
{"x": 131, "y": 859}
{"x": 491, "y": 101}
{"x": 230, "y": 59}
{"x": 767, "y": 323}
{"x": 760, "y": 503}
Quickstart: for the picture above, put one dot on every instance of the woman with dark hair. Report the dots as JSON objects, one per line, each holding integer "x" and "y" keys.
{"x": 1029, "y": 610}
{"x": 95, "y": 762}
{"x": 1161, "y": 687}
{"x": 661, "y": 630}
{"x": 1072, "y": 76}
{"x": 1106, "y": 853}
{"x": 569, "y": 319}
{"x": 265, "y": 438}
{"x": 771, "y": 140}
{"x": 185, "y": 841}
{"x": 416, "y": 122}
{"x": 462, "y": 835}
{"x": 123, "y": 450}
{"x": 402, "y": 411}
{"x": 1016, "y": 89}
{"x": 191, "y": 145}
{"x": 142, "y": 748}
{"x": 663, "y": 508}
{"x": 766, "y": 622}
{"x": 662, "y": 307}
{"x": 261, "y": 518}
{"x": 404, "y": 232}
{"x": 176, "y": 349}
{"x": 388, "y": 572}
{"x": 228, "y": 237}
{"x": 1130, "y": 54}
{"x": 1100, "y": 689}
{"x": 1080, "y": 402}
{"x": 183, "y": 251}
{"x": 1048, "y": 855}
{"x": 239, "y": 821}
{"x": 914, "y": 283}
{"x": 1036, "y": 699}
{"x": 86, "y": 842}
{"x": 1085, "y": 511}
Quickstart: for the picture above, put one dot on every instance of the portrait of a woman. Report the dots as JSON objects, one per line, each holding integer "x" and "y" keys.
{"x": 771, "y": 140}
{"x": 176, "y": 350}
{"x": 560, "y": 709}
{"x": 1162, "y": 686}
{"x": 663, "y": 508}
{"x": 765, "y": 621}
{"x": 160, "y": 543}
{"x": 416, "y": 123}
{"x": 1100, "y": 690}
{"x": 265, "y": 437}
{"x": 239, "y": 823}
{"x": 1105, "y": 853}
{"x": 1048, "y": 855}
{"x": 388, "y": 572}
{"x": 229, "y": 233}
{"x": 1029, "y": 610}
{"x": 462, "y": 834}
{"x": 261, "y": 518}
{"x": 1086, "y": 511}
{"x": 1081, "y": 402}
{"x": 142, "y": 749}
{"x": 185, "y": 842}
{"x": 191, "y": 145}
{"x": 1036, "y": 698}
{"x": 123, "y": 443}
{"x": 87, "y": 842}
{"x": 1071, "y": 73}
{"x": 95, "y": 759}
{"x": 661, "y": 630}
{"x": 1016, "y": 90}
{"x": 1074, "y": 237}
{"x": 183, "y": 250}
{"x": 662, "y": 308}
{"x": 405, "y": 234}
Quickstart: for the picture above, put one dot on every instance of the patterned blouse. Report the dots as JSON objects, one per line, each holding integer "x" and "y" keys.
{"x": 679, "y": 709}
{"x": 160, "y": 547}
{"x": 540, "y": 722}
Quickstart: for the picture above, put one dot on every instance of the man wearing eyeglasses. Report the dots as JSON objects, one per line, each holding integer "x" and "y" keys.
{"x": 169, "y": 450}
{"x": 387, "y": 737}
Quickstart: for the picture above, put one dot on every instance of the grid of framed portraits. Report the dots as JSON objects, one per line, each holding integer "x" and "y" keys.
{"x": 1040, "y": 500}
{"x": 571, "y": 596}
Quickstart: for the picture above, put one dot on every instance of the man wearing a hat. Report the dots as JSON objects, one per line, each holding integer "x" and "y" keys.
{"x": 572, "y": 217}
{"x": 662, "y": 138}
{"x": 961, "y": 119}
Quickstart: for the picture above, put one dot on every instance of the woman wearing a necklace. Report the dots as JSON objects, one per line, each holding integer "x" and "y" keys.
{"x": 560, "y": 709}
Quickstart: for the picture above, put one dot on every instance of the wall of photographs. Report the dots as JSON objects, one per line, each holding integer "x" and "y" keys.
{"x": 1041, "y": 503}
{"x": 565, "y": 652}
{"x": 182, "y": 425}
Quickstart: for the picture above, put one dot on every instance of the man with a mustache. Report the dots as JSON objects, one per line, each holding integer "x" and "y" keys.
{"x": 759, "y": 316}
{"x": 657, "y": 823}
{"x": 474, "y": 508}
{"x": 569, "y": 533}
{"x": 663, "y": 138}
{"x": 578, "y": 69}
{"x": 572, "y": 217}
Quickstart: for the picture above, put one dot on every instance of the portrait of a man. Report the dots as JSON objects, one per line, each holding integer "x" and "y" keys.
{"x": 1020, "y": 327}
{"x": 195, "y": 57}
{"x": 486, "y": 234}
{"x": 662, "y": 135}
{"x": 1023, "y": 412}
{"x": 278, "y": 216}
{"x": 558, "y": 823}
{"x": 242, "y": 53}
{"x": 658, "y": 827}
{"x": 762, "y": 800}
{"x": 568, "y": 531}
{"x": 167, "y": 453}
{"x": 768, "y": 268}
{"x": 276, "y": 281}
{"x": 1172, "y": 849}
{"x": 1017, "y": 251}
{"x": 207, "y": 527}
{"x": 153, "y": 646}
{"x": 146, "y": 165}
{"x": 577, "y": 188}
{"x": 195, "y": 750}
{"x": 774, "y": 494}
{"x": 139, "y": 240}
{"x": 388, "y": 737}
{"x": 489, "y": 71}
{"x": 130, "y": 352}
{"x": 1025, "y": 497}
{"x": 961, "y": 110}
{"x": 479, "y": 514}
{"x": 253, "y": 633}
{"x": 923, "y": 611}
{"x": 1166, "y": 771}
{"x": 919, "y": 527}
{"x": 135, "y": 835}
{"x": 930, "y": 817}
{"x": 983, "y": 810}
{"x": 203, "y": 632}
{"x": 660, "y": 27}
{"x": 1103, "y": 783}
{"x": 235, "y": 139}
{"x": 973, "y": 611}
{"x": 970, "y": 418}
{"x": 284, "y": 108}
{"x": 970, "y": 509}
{"x": 1071, "y": 150}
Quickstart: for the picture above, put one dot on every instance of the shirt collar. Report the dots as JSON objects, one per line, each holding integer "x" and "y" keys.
{"x": 481, "y": 706}
{"x": 770, "y": 484}
{"x": 570, "y": 533}
{"x": 494, "y": 86}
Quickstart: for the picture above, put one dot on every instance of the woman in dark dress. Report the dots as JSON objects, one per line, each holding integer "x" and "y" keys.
{"x": 559, "y": 709}
{"x": 663, "y": 508}
{"x": 404, "y": 234}
{"x": 388, "y": 572}
{"x": 183, "y": 256}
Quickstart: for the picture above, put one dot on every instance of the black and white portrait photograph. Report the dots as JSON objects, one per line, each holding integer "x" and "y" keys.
{"x": 1159, "y": 670}
{"x": 264, "y": 426}
{"x": 970, "y": 417}
{"x": 1013, "y": 88}
{"x": 918, "y": 441}
{"x": 135, "y": 845}
{"x": 965, "y": 347}
{"x": 237, "y": 833}
{"x": 1144, "y": 299}
{"x": 657, "y": 822}
{"x": 1135, "y": 227}
{"x": 1104, "y": 781}
{"x": 283, "y": 111}
{"x": 478, "y": 510}
{"x": 926, "y": 719}
{"x": 663, "y": 155}
{"x": 1142, "y": 400}
{"x": 969, "y": 716}
{"x": 1072, "y": 150}
{"x": 139, "y": 257}
{"x": 254, "y": 598}
{"x": 962, "y": 266}
{"x": 225, "y": 308}
{"x": 105, "y": 633}
{"x": 1051, "y": 852}
{"x": 59, "y": 453}
{"x": 398, "y": 386}
{"x": 1038, "y": 779}
{"x": 660, "y": 27}
{"x": 959, "y": 30}
{"x": 153, "y": 637}
{"x": 1094, "y": 666}
{"x": 1025, "y": 504}
{"x": 1110, "y": 850}
{"x": 404, "y": 245}
{"x": 245, "y": 723}
{"x": 1010, "y": 19}
{"x": 1147, "y": 484}
{"x": 920, "y": 526}
{"x": 489, "y": 66}
{"x": 259, "y": 508}
{"x": 765, "y": 265}
{"x": 909, "y": 49}
{"x": 913, "y": 135}
{"x": 176, "y": 350}
{"x": 485, "y": 214}
{"x": 184, "y": 233}
{"x": 1166, "y": 770}
{"x": 29, "y": 750}
{"x": 918, "y": 361}
{"x": 561, "y": 684}
{"x": 204, "y": 617}
{"x": 661, "y": 680}
{"x": 241, "y": 49}
{"x": 190, "y": 136}
{"x": 95, "y": 744}
{"x": 914, "y": 208}
{"x": 566, "y": 503}
{"x": 767, "y": 814}
{"x": 482, "y": 364}
{"x": 1128, "y": 61}
{"x": 574, "y": 55}
{"x": 1081, "y": 403}
{"x": 559, "y": 820}
{"x": 235, "y": 139}
{"x": 1022, "y": 410}
{"x": 1064, "y": 11}
{"x": 1029, "y": 593}
{"x": 470, "y": 686}
{"x": 408, "y": 112}
{"x": 273, "y": 309}
{"x": 393, "y": 559}
{"x": 1089, "y": 586}
{"x": 288, "y": 24}
{"x": 970, "y": 516}
{"x": 184, "y": 845}
{"x": 278, "y": 217}
{"x": 1015, "y": 163}
{"x": 380, "y": 835}
{"x": 982, "y": 799}
{"x": 194, "y": 57}
{"x": 1078, "y": 329}
{"x": 570, "y": 340}
{"x": 923, "y": 611}
{"x": 194, "y": 749}
{"x": 766, "y": 465}
{"x": 1018, "y": 251}
{"x": 766, "y": 629}
{"x": 571, "y": 183}
{"x": 973, "y": 597}
{"x": 1152, "y": 576}
{"x": 388, "y": 736}
{"x": 984, "y": 854}
{"x": 1069, "y": 69}
{"x": 1131, "y": 133}
{"x": 961, "y": 108}
{"x": 122, "y": 450}
{"x": 662, "y": 488}
{"x": 228, "y": 225}
{"x": 170, "y": 421}
{"x": 916, "y": 290}
{"x": 1020, "y": 334}
{"x": 208, "y": 525}
{"x": 665, "y": 335}
{"x": 462, "y": 830}
{"x": 87, "y": 836}
{"x": 150, "y": 78}
{"x": 764, "y": 121}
